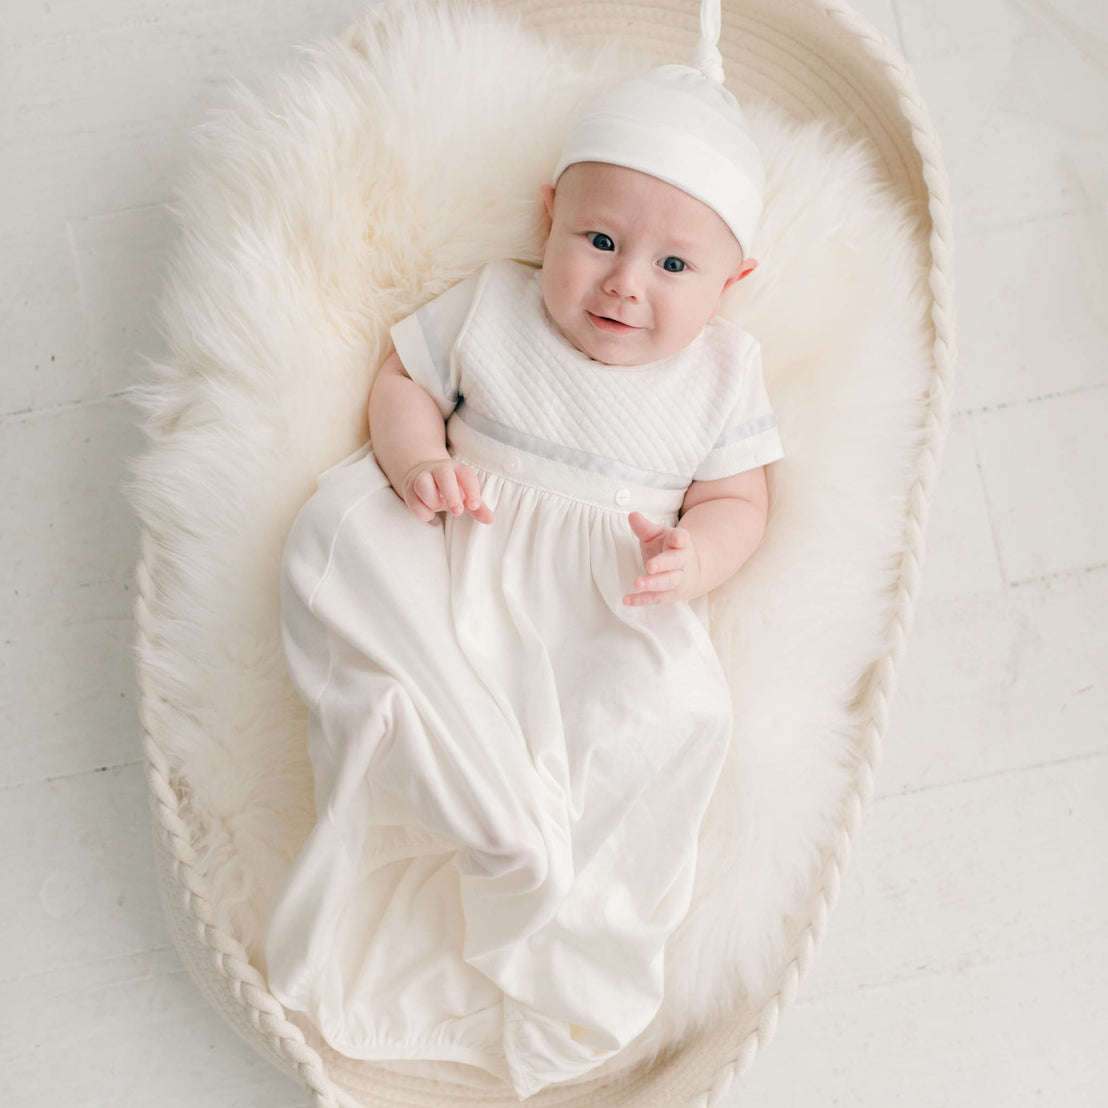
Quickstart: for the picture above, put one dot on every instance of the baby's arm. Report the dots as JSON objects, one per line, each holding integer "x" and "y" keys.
{"x": 721, "y": 525}
{"x": 409, "y": 442}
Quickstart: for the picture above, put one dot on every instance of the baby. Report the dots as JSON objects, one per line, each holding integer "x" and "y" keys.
{"x": 633, "y": 268}
{"x": 517, "y": 717}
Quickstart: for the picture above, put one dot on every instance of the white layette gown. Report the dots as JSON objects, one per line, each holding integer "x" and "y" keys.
{"x": 511, "y": 765}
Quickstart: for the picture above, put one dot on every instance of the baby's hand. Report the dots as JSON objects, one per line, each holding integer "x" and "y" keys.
{"x": 443, "y": 485}
{"x": 671, "y": 564}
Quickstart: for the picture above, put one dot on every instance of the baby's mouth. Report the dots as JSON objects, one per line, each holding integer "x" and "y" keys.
{"x": 612, "y": 326}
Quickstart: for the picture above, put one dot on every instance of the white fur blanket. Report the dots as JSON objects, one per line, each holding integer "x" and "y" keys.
{"x": 382, "y": 169}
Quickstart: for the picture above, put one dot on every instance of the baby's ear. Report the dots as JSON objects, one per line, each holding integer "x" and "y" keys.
{"x": 547, "y": 193}
{"x": 744, "y": 269}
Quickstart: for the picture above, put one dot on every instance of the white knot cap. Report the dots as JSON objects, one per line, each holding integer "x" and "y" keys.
{"x": 685, "y": 129}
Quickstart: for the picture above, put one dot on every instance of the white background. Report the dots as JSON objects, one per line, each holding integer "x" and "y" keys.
{"x": 967, "y": 961}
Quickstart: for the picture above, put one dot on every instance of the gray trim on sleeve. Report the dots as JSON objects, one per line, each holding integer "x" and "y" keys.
{"x": 745, "y": 430}
{"x": 440, "y": 357}
{"x": 748, "y": 453}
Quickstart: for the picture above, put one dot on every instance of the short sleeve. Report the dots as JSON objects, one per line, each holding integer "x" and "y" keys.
{"x": 425, "y": 339}
{"x": 749, "y": 438}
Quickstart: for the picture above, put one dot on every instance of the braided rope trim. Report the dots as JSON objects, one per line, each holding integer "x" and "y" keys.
{"x": 283, "y": 1039}
{"x": 191, "y": 891}
{"x": 937, "y": 417}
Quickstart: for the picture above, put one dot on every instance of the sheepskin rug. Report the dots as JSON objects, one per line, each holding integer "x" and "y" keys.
{"x": 383, "y": 167}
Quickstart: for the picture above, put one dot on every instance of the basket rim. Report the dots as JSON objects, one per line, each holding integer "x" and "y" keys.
{"x": 262, "y": 1020}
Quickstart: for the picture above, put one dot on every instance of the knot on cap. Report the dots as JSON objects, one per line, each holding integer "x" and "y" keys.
{"x": 709, "y": 61}
{"x": 707, "y": 57}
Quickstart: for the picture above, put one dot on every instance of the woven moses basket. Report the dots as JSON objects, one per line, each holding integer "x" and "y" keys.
{"x": 811, "y": 60}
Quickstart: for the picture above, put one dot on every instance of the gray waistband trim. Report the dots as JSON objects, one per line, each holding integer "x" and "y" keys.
{"x": 568, "y": 455}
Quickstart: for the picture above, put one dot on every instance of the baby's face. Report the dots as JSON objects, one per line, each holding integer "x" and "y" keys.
{"x": 633, "y": 267}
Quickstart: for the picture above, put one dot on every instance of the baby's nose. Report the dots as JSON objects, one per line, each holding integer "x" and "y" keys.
{"x": 624, "y": 280}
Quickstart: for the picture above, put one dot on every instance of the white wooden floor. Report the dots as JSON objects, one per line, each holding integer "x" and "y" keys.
{"x": 967, "y": 962}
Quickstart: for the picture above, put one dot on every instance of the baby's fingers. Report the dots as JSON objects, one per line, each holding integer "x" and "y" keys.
{"x": 667, "y": 560}
{"x": 656, "y": 588}
{"x": 677, "y": 539}
{"x": 645, "y": 531}
{"x": 637, "y": 599}
{"x": 471, "y": 494}
{"x": 452, "y": 500}
{"x": 425, "y": 499}
{"x": 659, "y": 582}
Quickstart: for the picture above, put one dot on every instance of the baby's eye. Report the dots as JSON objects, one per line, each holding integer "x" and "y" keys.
{"x": 672, "y": 264}
{"x": 600, "y": 240}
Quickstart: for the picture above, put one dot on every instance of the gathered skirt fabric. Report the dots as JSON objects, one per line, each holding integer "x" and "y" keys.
{"x": 511, "y": 768}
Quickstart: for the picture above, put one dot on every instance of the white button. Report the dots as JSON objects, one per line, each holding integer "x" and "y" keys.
{"x": 623, "y": 496}
{"x": 513, "y": 465}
